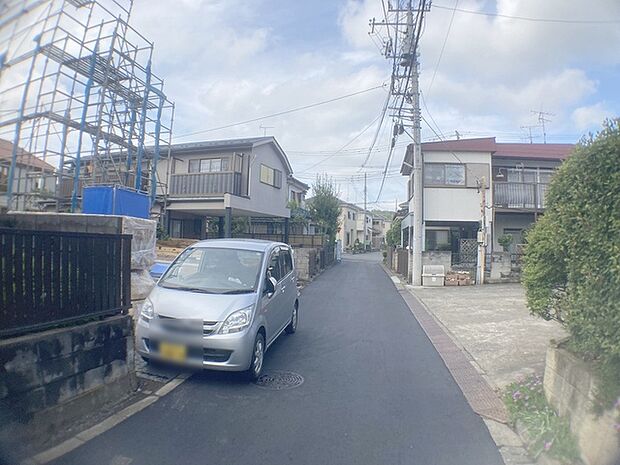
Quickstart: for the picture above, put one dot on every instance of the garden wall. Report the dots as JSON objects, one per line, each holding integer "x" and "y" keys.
{"x": 50, "y": 379}
{"x": 438, "y": 258}
{"x": 570, "y": 388}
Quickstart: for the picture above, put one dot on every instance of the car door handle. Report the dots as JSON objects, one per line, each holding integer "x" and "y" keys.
{"x": 283, "y": 287}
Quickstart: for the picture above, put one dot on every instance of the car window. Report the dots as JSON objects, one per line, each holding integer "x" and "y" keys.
{"x": 286, "y": 262}
{"x": 274, "y": 266}
{"x": 214, "y": 270}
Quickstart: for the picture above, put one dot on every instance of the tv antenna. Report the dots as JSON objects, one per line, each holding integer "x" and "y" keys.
{"x": 264, "y": 128}
{"x": 542, "y": 119}
{"x": 529, "y": 130}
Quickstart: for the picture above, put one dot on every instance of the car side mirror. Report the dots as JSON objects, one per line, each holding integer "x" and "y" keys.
{"x": 270, "y": 285}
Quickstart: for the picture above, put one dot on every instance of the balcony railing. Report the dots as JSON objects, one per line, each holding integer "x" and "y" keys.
{"x": 519, "y": 195}
{"x": 204, "y": 184}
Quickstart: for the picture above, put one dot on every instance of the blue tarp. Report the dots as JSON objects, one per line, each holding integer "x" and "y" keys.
{"x": 103, "y": 200}
{"x": 158, "y": 269}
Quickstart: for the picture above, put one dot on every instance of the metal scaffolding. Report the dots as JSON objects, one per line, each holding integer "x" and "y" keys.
{"x": 79, "y": 103}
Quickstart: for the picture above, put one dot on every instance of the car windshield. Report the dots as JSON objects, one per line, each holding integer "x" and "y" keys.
{"x": 214, "y": 271}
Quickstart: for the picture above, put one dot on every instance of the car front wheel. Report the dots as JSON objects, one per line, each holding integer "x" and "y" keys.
{"x": 258, "y": 357}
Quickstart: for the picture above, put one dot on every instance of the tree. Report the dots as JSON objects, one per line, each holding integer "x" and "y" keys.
{"x": 572, "y": 257}
{"x": 392, "y": 237}
{"x": 324, "y": 207}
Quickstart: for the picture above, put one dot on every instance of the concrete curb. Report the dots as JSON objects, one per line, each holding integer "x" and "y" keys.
{"x": 81, "y": 438}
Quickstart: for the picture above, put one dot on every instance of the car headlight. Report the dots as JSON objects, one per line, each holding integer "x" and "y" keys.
{"x": 147, "y": 311}
{"x": 237, "y": 321}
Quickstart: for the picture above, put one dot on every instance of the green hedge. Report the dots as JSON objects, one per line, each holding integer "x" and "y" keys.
{"x": 572, "y": 261}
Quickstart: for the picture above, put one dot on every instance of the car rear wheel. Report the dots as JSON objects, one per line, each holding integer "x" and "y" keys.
{"x": 292, "y": 326}
{"x": 258, "y": 357}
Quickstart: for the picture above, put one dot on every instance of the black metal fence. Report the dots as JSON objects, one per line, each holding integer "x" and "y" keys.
{"x": 50, "y": 277}
{"x": 327, "y": 256}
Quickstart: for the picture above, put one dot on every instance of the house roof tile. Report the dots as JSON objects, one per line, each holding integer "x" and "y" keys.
{"x": 23, "y": 158}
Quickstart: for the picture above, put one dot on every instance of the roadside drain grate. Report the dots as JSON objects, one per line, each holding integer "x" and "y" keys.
{"x": 279, "y": 380}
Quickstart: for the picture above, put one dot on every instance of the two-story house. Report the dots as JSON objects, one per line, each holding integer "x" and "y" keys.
{"x": 222, "y": 179}
{"x": 380, "y": 227}
{"x": 354, "y": 225}
{"x": 32, "y": 178}
{"x": 514, "y": 178}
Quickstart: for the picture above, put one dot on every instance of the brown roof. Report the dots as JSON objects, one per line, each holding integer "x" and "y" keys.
{"x": 535, "y": 151}
{"x": 501, "y": 149}
{"x": 23, "y": 158}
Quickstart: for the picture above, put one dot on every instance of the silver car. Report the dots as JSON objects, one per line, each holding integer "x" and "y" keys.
{"x": 220, "y": 305}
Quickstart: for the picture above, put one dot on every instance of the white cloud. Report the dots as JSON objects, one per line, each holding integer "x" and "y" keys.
{"x": 592, "y": 116}
{"x": 224, "y": 64}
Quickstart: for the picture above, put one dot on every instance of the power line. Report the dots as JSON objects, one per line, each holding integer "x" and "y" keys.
{"x": 526, "y": 18}
{"x": 284, "y": 112}
{"x": 443, "y": 47}
{"x": 374, "y": 139}
{"x": 429, "y": 114}
{"x": 343, "y": 147}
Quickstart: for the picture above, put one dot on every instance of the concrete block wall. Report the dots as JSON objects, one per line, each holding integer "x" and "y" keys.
{"x": 51, "y": 378}
{"x": 501, "y": 266}
{"x": 66, "y": 222}
{"x": 305, "y": 262}
{"x": 143, "y": 242}
{"x": 570, "y": 387}
{"x": 438, "y": 258}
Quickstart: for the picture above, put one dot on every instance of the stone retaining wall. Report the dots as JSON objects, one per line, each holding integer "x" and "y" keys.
{"x": 570, "y": 388}
{"x": 52, "y": 378}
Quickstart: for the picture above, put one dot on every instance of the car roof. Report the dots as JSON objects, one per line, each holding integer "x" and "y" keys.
{"x": 243, "y": 244}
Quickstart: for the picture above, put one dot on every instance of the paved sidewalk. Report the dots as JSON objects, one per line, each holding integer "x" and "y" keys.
{"x": 493, "y": 325}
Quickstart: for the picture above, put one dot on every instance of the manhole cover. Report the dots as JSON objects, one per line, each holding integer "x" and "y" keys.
{"x": 279, "y": 380}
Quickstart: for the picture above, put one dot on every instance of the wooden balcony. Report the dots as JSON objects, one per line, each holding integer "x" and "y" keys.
{"x": 519, "y": 195}
{"x": 205, "y": 184}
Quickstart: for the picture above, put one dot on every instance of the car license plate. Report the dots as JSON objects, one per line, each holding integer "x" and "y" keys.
{"x": 172, "y": 352}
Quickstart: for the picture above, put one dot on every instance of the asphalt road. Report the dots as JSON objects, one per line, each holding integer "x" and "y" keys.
{"x": 375, "y": 392}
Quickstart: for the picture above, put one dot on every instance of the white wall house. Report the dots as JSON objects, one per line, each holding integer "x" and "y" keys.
{"x": 515, "y": 177}
{"x": 352, "y": 227}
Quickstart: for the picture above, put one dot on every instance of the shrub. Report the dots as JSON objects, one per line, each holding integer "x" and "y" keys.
{"x": 572, "y": 260}
{"x": 505, "y": 241}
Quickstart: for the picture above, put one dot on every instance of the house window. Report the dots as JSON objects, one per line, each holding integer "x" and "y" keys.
{"x": 4, "y": 178}
{"x": 270, "y": 176}
{"x": 194, "y": 166}
{"x": 438, "y": 239}
{"x": 444, "y": 174}
{"x": 208, "y": 165}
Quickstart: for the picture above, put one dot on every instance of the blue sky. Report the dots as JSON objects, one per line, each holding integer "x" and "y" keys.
{"x": 224, "y": 64}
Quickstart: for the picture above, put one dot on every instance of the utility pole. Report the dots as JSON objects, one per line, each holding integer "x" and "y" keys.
{"x": 365, "y": 205}
{"x": 415, "y": 262}
{"x": 399, "y": 33}
{"x": 482, "y": 232}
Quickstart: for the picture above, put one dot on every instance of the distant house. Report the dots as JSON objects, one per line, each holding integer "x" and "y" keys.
{"x": 222, "y": 179}
{"x": 516, "y": 177}
{"x": 32, "y": 175}
{"x": 297, "y": 191}
{"x": 380, "y": 226}
{"x": 352, "y": 227}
